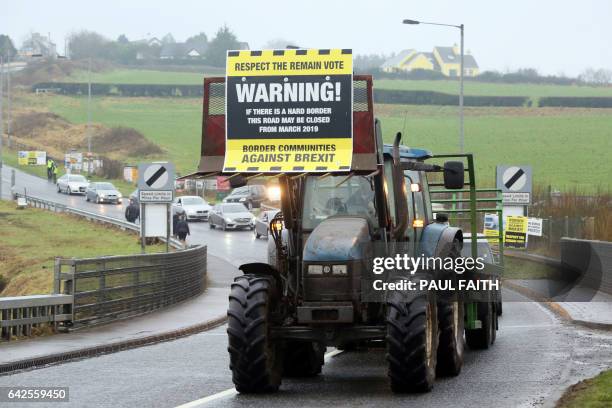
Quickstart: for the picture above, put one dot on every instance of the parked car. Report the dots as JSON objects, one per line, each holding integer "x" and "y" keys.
{"x": 72, "y": 184}
{"x": 231, "y": 215}
{"x": 251, "y": 196}
{"x": 196, "y": 208}
{"x": 103, "y": 192}
{"x": 262, "y": 224}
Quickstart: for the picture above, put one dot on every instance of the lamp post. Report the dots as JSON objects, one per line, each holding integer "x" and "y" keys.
{"x": 460, "y": 27}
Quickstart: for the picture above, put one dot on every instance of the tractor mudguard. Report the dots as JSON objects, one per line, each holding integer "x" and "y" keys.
{"x": 430, "y": 238}
{"x": 259, "y": 268}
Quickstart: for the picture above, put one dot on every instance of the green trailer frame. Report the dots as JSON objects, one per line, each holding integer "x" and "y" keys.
{"x": 458, "y": 209}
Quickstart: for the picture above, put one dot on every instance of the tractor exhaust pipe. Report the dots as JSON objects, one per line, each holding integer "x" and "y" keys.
{"x": 399, "y": 191}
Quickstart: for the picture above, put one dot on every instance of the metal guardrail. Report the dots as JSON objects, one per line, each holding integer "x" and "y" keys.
{"x": 115, "y": 287}
{"x": 97, "y": 290}
{"x": 58, "y": 207}
{"x": 19, "y": 314}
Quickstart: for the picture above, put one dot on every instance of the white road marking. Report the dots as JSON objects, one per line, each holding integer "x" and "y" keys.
{"x": 232, "y": 391}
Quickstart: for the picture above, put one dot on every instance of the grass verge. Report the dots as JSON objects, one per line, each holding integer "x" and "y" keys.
{"x": 594, "y": 392}
{"x": 30, "y": 239}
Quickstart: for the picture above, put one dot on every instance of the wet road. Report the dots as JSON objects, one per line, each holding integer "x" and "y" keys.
{"x": 221, "y": 244}
{"x": 534, "y": 358}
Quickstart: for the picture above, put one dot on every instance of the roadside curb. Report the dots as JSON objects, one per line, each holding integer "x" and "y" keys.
{"x": 555, "y": 307}
{"x": 102, "y": 349}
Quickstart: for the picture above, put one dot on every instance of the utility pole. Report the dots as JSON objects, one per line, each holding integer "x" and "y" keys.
{"x": 461, "y": 134}
{"x": 89, "y": 116}
{"x": 1, "y": 118}
{"x": 8, "y": 97}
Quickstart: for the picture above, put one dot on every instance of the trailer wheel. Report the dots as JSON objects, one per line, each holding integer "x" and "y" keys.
{"x": 480, "y": 339}
{"x": 451, "y": 346}
{"x": 412, "y": 341}
{"x": 255, "y": 360}
{"x": 303, "y": 359}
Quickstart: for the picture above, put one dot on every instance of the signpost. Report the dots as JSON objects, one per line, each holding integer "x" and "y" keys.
{"x": 289, "y": 110}
{"x": 515, "y": 183}
{"x": 155, "y": 192}
{"x": 31, "y": 158}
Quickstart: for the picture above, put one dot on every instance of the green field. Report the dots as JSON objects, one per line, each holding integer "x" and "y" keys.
{"x": 566, "y": 147}
{"x": 138, "y": 76}
{"x": 28, "y": 258}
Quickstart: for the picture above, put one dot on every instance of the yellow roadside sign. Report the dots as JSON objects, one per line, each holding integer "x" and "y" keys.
{"x": 289, "y": 110}
{"x": 515, "y": 232}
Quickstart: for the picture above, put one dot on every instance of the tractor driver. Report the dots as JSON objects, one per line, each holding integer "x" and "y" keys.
{"x": 362, "y": 200}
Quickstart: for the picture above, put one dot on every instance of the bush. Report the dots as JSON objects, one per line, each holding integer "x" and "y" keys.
{"x": 577, "y": 101}
{"x": 439, "y": 98}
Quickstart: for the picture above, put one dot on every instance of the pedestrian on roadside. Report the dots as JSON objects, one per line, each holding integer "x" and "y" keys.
{"x": 132, "y": 211}
{"x": 54, "y": 170}
{"x": 182, "y": 229}
{"x": 49, "y": 169}
{"x": 175, "y": 219}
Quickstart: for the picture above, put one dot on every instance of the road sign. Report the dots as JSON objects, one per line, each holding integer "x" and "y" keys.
{"x": 515, "y": 232}
{"x": 534, "y": 226}
{"x": 156, "y": 182}
{"x": 515, "y": 183}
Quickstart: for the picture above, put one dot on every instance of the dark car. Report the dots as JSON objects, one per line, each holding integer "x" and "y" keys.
{"x": 251, "y": 196}
{"x": 262, "y": 224}
{"x": 231, "y": 215}
{"x": 103, "y": 192}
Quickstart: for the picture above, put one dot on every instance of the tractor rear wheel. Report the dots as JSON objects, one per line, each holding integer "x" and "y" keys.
{"x": 303, "y": 359}
{"x": 412, "y": 341}
{"x": 480, "y": 339}
{"x": 451, "y": 346}
{"x": 255, "y": 360}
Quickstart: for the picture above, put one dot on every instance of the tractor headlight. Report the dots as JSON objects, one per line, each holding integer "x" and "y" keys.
{"x": 339, "y": 270}
{"x": 315, "y": 269}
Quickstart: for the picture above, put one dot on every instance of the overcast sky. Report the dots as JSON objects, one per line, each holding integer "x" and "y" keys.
{"x": 550, "y": 35}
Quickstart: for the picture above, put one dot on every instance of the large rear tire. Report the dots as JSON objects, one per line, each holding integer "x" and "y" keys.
{"x": 451, "y": 346}
{"x": 303, "y": 359}
{"x": 412, "y": 341}
{"x": 255, "y": 360}
{"x": 480, "y": 339}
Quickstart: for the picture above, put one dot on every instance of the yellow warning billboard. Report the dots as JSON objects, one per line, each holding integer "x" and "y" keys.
{"x": 289, "y": 110}
{"x": 515, "y": 232}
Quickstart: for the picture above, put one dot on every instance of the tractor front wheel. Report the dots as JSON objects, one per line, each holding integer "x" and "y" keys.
{"x": 303, "y": 359}
{"x": 412, "y": 342}
{"x": 255, "y": 360}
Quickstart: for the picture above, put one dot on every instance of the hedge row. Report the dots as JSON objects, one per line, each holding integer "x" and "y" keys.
{"x": 438, "y": 98}
{"x": 577, "y": 102}
{"x": 380, "y": 95}
{"x": 76, "y": 88}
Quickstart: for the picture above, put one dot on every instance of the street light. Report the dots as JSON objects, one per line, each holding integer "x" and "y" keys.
{"x": 460, "y": 27}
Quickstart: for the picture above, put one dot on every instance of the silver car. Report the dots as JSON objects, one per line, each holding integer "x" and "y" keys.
{"x": 231, "y": 216}
{"x": 103, "y": 192}
{"x": 72, "y": 184}
{"x": 196, "y": 208}
{"x": 262, "y": 224}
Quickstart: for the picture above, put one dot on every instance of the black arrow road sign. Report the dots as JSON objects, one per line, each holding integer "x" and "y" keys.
{"x": 160, "y": 172}
{"x": 514, "y": 178}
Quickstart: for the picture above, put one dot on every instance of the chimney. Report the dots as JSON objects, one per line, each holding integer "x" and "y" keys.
{"x": 456, "y": 49}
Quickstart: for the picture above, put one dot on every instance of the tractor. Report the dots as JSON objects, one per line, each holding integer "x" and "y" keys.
{"x": 312, "y": 292}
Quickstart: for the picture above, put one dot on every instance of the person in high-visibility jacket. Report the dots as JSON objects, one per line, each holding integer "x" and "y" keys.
{"x": 50, "y": 164}
{"x": 54, "y": 173}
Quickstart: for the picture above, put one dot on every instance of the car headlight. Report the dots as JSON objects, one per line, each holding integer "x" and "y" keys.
{"x": 315, "y": 269}
{"x": 228, "y": 220}
{"x": 242, "y": 200}
{"x": 119, "y": 195}
{"x": 102, "y": 195}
